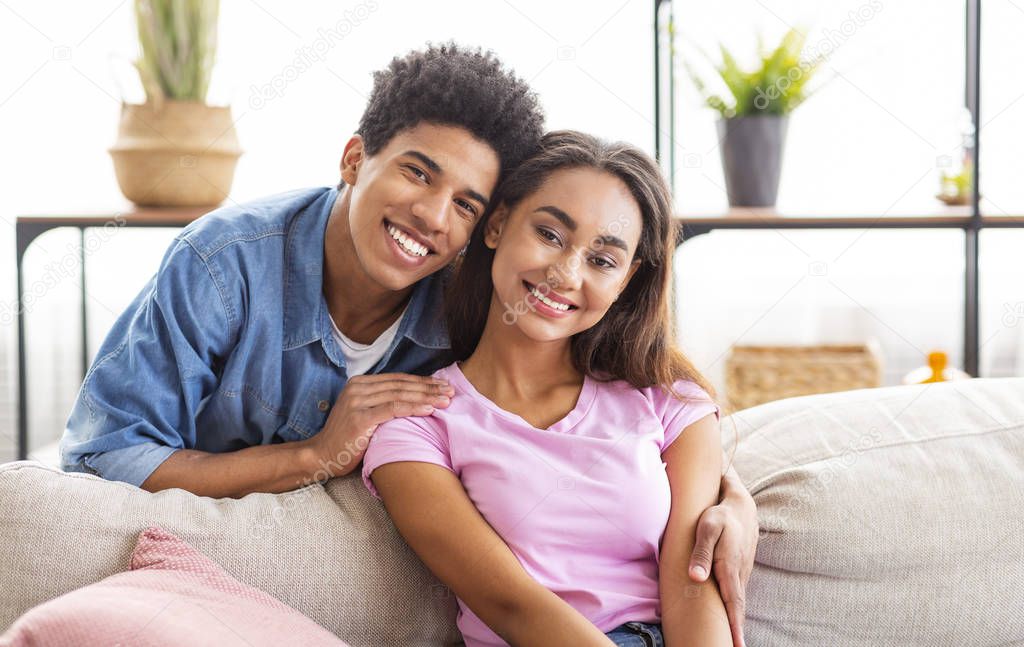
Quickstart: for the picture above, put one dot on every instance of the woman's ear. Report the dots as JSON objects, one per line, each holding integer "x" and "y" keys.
{"x": 352, "y": 159}
{"x": 495, "y": 225}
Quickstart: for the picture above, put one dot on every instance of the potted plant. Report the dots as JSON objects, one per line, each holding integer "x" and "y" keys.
{"x": 174, "y": 149}
{"x": 955, "y": 186}
{"x": 755, "y": 115}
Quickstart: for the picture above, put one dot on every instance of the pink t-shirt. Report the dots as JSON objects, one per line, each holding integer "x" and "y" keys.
{"x": 582, "y": 504}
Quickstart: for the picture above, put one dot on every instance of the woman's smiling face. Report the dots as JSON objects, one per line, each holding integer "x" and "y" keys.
{"x": 564, "y": 253}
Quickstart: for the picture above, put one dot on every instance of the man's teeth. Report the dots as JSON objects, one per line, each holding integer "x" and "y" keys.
{"x": 409, "y": 244}
{"x": 548, "y": 302}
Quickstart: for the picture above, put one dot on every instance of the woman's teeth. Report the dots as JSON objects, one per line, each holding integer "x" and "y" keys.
{"x": 548, "y": 302}
{"x": 409, "y": 244}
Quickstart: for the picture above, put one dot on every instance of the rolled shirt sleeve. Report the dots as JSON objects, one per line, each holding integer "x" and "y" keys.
{"x": 139, "y": 401}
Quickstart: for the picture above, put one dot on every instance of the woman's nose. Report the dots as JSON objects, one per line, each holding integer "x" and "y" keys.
{"x": 565, "y": 275}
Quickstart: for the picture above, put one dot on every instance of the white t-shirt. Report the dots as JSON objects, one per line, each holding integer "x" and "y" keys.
{"x": 360, "y": 358}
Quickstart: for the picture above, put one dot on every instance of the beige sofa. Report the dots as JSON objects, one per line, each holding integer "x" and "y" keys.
{"x": 889, "y": 516}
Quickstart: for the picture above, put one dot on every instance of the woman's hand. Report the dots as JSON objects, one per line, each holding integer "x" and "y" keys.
{"x": 727, "y": 538}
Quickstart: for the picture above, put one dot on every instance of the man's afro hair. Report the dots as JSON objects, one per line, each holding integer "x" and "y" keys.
{"x": 454, "y": 86}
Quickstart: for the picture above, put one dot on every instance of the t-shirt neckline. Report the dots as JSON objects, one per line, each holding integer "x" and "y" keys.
{"x": 566, "y": 423}
{"x": 382, "y": 340}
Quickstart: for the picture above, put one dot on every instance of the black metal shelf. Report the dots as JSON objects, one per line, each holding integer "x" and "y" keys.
{"x": 969, "y": 219}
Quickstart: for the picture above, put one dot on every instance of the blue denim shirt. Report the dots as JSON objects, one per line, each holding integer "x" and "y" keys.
{"x": 230, "y": 344}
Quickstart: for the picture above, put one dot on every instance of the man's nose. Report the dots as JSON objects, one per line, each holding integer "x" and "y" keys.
{"x": 433, "y": 211}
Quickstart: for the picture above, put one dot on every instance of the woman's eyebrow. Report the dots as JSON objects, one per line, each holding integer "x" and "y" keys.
{"x": 562, "y": 216}
{"x": 566, "y": 219}
{"x": 613, "y": 241}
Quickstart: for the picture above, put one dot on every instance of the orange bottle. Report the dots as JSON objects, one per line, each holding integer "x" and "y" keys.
{"x": 936, "y": 371}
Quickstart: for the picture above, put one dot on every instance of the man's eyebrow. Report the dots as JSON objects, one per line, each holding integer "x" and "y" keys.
{"x": 479, "y": 198}
{"x": 566, "y": 219}
{"x": 436, "y": 168}
{"x": 429, "y": 163}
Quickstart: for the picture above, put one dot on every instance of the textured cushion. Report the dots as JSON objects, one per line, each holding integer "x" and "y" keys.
{"x": 330, "y": 551}
{"x": 173, "y": 595}
{"x": 890, "y": 516}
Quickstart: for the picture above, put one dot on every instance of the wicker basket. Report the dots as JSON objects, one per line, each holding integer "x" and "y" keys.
{"x": 177, "y": 154}
{"x": 758, "y": 374}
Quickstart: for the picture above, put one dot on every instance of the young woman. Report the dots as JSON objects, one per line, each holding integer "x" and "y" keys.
{"x": 558, "y": 493}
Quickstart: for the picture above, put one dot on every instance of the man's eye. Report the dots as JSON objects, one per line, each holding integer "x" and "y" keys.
{"x": 467, "y": 206}
{"x": 417, "y": 172}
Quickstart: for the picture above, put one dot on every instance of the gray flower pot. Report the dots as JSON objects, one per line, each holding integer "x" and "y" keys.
{"x": 752, "y": 158}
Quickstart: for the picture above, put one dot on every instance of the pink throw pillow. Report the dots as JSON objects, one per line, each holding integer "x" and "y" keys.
{"x": 173, "y": 595}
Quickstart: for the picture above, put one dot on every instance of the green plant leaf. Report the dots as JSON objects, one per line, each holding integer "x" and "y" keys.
{"x": 777, "y": 85}
{"x": 178, "y": 44}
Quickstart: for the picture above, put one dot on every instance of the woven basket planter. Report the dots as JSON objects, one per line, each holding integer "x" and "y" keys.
{"x": 758, "y": 374}
{"x": 180, "y": 153}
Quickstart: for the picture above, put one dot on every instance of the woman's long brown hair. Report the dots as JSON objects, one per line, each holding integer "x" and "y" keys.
{"x": 633, "y": 341}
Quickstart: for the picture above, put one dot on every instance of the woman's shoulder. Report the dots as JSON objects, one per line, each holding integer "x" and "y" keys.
{"x": 685, "y": 389}
{"x": 445, "y": 372}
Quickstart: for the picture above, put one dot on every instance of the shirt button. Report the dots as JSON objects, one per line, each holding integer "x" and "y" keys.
{"x": 323, "y": 405}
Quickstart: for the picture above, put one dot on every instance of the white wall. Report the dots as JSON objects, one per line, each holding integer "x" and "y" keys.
{"x": 870, "y": 142}
{"x": 67, "y": 67}
{"x": 883, "y": 122}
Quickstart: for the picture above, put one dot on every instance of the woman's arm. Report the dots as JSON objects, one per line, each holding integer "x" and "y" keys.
{"x": 727, "y": 537}
{"x": 691, "y": 614}
{"x": 436, "y": 517}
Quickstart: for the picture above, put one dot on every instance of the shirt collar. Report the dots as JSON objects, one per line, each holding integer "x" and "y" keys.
{"x": 424, "y": 323}
{"x": 305, "y": 310}
{"x": 304, "y": 272}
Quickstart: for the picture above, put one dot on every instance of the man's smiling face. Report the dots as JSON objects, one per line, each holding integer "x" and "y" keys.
{"x": 415, "y": 202}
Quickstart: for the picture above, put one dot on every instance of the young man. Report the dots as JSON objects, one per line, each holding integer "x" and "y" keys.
{"x": 276, "y": 336}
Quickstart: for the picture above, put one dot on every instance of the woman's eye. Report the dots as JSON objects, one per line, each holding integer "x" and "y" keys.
{"x": 548, "y": 235}
{"x": 602, "y": 262}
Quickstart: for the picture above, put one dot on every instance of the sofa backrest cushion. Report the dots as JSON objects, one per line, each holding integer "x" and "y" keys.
{"x": 891, "y": 516}
{"x": 330, "y": 551}
{"x": 172, "y": 595}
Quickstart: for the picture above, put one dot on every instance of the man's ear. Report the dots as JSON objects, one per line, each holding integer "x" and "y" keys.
{"x": 495, "y": 224}
{"x": 352, "y": 159}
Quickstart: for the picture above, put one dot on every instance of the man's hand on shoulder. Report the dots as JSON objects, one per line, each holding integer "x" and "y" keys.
{"x": 363, "y": 404}
{"x": 366, "y": 402}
